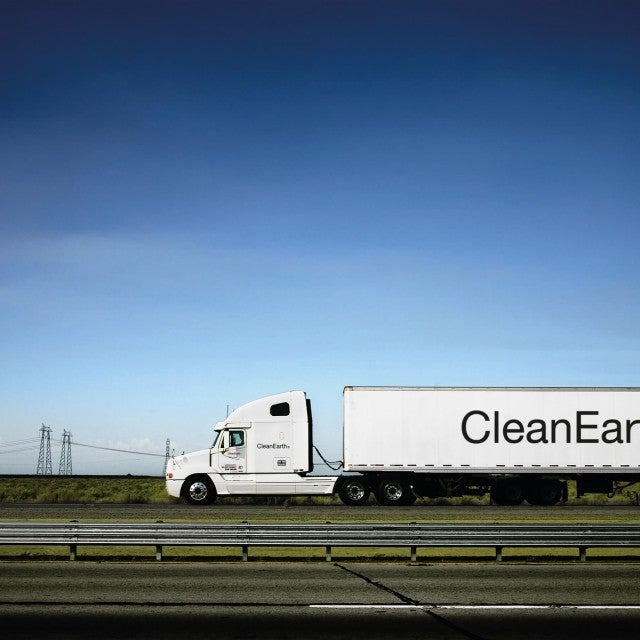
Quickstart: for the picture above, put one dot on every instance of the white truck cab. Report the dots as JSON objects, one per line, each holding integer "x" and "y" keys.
{"x": 262, "y": 448}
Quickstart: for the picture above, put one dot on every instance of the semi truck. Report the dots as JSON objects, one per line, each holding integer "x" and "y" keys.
{"x": 401, "y": 444}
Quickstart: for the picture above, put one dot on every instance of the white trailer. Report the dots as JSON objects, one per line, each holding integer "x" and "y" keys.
{"x": 401, "y": 443}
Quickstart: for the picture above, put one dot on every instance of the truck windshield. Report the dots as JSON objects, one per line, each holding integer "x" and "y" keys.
{"x": 215, "y": 439}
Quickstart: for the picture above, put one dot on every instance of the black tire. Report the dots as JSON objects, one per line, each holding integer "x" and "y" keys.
{"x": 544, "y": 492}
{"x": 394, "y": 492}
{"x": 199, "y": 490}
{"x": 354, "y": 492}
{"x": 508, "y": 493}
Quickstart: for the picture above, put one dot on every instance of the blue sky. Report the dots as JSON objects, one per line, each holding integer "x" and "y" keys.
{"x": 202, "y": 203}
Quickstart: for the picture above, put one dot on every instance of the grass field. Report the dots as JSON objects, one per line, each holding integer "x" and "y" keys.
{"x": 151, "y": 490}
{"x": 83, "y": 490}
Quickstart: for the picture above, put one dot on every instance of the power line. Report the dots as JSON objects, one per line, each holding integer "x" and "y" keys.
{"x": 16, "y": 442}
{"x": 21, "y": 449}
{"x": 140, "y": 453}
{"x": 17, "y": 446}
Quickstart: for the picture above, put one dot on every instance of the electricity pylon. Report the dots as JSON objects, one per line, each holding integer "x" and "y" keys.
{"x": 65, "y": 455}
{"x": 44, "y": 458}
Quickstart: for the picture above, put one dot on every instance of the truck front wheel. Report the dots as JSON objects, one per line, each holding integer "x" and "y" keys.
{"x": 354, "y": 492}
{"x": 199, "y": 490}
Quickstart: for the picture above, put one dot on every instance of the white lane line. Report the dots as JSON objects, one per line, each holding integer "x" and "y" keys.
{"x": 494, "y": 607}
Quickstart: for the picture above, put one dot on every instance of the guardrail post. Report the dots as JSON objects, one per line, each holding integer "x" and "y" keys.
{"x": 583, "y": 554}
{"x": 159, "y": 546}
{"x": 498, "y": 554}
{"x": 73, "y": 548}
{"x": 245, "y": 552}
{"x": 414, "y": 554}
{"x": 327, "y": 549}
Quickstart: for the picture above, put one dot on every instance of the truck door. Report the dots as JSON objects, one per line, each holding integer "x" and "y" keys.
{"x": 233, "y": 451}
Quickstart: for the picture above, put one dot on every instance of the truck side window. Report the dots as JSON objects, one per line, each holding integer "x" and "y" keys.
{"x": 236, "y": 438}
{"x": 280, "y": 409}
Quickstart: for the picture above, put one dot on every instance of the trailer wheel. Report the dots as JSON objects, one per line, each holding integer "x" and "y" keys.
{"x": 199, "y": 490}
{"x": 354, "y": 492}
{"x": 508, "y": 492}
{"x": 544, "y": 492}
{"x": 394, "y": 492}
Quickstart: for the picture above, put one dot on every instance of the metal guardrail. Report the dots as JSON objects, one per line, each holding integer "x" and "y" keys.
{"x": 328, "y": 535}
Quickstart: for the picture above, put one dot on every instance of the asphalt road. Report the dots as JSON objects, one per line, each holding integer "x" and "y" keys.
{"x": 317, "y": 600}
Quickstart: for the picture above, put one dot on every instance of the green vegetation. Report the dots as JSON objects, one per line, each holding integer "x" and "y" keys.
{"x": 151, "y": 490}
{"x": 82, "y": 490}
